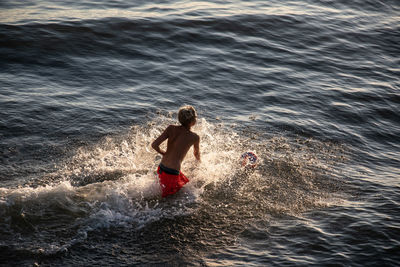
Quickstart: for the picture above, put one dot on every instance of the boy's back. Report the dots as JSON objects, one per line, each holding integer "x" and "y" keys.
{"x": 180, "y": 139}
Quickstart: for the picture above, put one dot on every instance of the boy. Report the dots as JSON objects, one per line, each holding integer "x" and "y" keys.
{"x": 180, "y": 139}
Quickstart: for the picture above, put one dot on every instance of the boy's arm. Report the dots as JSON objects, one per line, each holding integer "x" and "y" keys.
{"x": 196, "y": 146}
{"x": 156, "y": 144}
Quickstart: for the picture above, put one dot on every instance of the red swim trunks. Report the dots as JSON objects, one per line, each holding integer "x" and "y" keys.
{"x": 170, "y": 181}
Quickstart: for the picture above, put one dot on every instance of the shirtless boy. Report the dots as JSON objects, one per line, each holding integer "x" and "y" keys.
{"x": 180, "y": 139}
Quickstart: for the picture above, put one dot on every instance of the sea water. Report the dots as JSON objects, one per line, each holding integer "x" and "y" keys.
{"x": 311, "y": 87}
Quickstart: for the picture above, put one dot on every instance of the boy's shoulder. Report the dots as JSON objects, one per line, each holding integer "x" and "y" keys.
{"x": 172, "y": 127}
{"x": 195, "y": 136}
{"x": 176, "y": 128}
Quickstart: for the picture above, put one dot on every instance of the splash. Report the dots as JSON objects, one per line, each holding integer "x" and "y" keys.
{"x": 113, "y": 183}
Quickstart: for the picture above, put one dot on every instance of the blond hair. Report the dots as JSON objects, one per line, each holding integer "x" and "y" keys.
{"x": 186, "y": 115}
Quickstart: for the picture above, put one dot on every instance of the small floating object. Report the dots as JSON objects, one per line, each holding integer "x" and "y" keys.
{"x": 248, "y": 159}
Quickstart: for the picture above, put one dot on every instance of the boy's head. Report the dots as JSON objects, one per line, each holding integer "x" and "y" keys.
{"x": 187, "y": 115}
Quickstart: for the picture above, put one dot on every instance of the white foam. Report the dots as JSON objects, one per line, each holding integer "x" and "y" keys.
{"x": 113, "y": 183}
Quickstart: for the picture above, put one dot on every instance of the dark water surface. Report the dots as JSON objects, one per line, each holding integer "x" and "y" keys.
{"x": 312, "y": 87}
